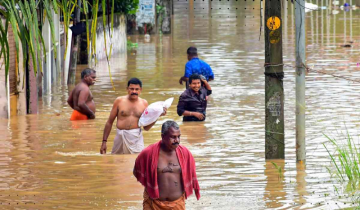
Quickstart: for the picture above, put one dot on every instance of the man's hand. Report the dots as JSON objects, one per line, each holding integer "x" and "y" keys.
{"x": 198, "y": 115}
{"x": 180, "y": 81}
{"x": 164, "y": 113}
{"x": 103, "y": 148}
{"x": 92, "y": 116}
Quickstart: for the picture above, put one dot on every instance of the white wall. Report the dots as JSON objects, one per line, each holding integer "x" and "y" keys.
{"x": 118, "y": 40}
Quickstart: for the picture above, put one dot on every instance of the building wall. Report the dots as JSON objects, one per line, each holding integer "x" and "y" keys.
{"x": 12, "y": 96}
{"x": 118, "y": 40}
{"x": 4, "y": 102}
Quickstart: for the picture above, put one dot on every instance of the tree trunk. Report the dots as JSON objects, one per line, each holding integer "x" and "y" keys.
{"x": 75, "y": 46}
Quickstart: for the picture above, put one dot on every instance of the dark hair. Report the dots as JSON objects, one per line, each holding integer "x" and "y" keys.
{"x": 194, "y": 77}
{"x": 134, "y": 81}
{"x": 167, "y": 125}
{"x": 87, "y": 72}
{"x": 191, "y": 51}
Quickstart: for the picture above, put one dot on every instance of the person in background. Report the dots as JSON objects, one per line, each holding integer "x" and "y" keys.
{"x": 81, "y": 99}
{"x": 196, "y": 66}
{"x": 167, "y": 171}
{"x": 193, "y": 101}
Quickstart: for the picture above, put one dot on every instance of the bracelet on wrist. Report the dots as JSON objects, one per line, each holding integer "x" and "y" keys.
{"x": 104, "y": 140}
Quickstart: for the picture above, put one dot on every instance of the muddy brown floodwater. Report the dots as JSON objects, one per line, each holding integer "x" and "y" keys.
{"x": 48, "y": 162}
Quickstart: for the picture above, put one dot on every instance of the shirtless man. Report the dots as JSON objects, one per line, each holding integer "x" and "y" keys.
{"x": 167, "y": 171}
{"x": 81, "y": 99}
{"x": 128, "y": 110}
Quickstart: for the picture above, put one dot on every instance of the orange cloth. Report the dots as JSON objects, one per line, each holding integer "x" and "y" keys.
{"x": 150, "y": 204}
{"x": 76, "y": 115}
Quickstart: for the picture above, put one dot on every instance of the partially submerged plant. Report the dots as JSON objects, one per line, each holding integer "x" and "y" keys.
{"x": 279, "y": 170}
{"x": 345, "y": 159}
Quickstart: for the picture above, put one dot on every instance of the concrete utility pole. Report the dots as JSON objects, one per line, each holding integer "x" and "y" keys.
{"x": 300, "y": 78}
{"x": 274, "y": 91}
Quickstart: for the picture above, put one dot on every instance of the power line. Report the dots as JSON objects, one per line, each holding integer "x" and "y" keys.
{"x": 308, "y": 69}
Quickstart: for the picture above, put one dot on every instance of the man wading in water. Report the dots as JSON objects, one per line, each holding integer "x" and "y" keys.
{"x": 193, "y": 101}
{"x": 195, "y": 66}
{"x": 128, "y": 110}
{"x": 81, "y": 99}
{"x": 167, "y": 171}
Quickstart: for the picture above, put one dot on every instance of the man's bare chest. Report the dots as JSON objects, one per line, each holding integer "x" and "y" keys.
{"x": 168, "y": 165}
{"x": 130, "y": 110}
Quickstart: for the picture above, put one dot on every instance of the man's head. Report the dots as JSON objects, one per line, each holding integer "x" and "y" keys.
{"x": 88, "y": 76}
{"x": 134, "y": 88}
{"x": 170, "y": 135}
{"x": 191, "y": 53}
{"x": 195, "y": 82}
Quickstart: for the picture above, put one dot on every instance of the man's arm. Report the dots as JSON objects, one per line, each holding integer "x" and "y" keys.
{"x": 188, "y": 73}
{"x": 83, "y": 96}
{"x": 148, "y": 127}
{"x": 183, "y": 79}
{"x": 70, "y": 100}
{"x": 211, "y": 75}
{"x": 182, "y": 112}
{"x": 206, "y": 84}
{"x": 108, "y": 125}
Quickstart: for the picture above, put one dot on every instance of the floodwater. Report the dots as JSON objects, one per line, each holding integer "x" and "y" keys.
{"x": 49, "y": 162}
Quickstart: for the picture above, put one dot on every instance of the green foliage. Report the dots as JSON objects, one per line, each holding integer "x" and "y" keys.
{"x": 122, "y": 6}
{"x": 67, "y": 7}
{"x": 160, "y": 9}
{"x": 279, "y": 170}
{"x": 22, "y": 18}
{"x": 126, "y": 6}
{"x": 131, "y": 44}
{"x": 160, "y": 12}
{"x": 345, "y": 165}
{"x": 346, "y": 160}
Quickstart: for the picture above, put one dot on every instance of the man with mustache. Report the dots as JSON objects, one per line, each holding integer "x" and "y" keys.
{"x": 81, "y": 99}
{"x": 167, "y": 171}
{"x": 193, "y": 101}
{"x": 128, "y": 110}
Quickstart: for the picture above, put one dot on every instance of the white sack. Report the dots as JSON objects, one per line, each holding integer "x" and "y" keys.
{"x": 153, "y": 112}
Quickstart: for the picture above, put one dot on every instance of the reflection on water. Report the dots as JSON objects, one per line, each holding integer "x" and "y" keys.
{"x": 49, "y": 162}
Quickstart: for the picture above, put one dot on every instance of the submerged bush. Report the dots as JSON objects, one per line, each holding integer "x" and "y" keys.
{"x": 345, "y": 161}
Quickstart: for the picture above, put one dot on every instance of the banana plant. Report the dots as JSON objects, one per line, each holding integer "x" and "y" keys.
{"x": 22, "y": 18}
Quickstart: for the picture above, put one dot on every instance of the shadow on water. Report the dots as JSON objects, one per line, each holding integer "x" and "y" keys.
{"x": 50, "y": 162}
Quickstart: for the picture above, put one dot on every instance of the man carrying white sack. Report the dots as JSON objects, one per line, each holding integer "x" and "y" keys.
{"x": 128, "y": 110}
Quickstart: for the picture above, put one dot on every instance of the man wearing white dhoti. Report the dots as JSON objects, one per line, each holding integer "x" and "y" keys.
{"x": 128, "y": 141}
{"x": 127, "y": 109}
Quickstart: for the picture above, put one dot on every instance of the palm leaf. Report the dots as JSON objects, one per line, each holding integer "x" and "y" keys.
{"x": 5, "y": 45}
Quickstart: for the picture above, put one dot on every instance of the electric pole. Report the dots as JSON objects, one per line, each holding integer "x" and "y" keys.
{"x": 274, "y": 91}
{"x": 300, "y": 79}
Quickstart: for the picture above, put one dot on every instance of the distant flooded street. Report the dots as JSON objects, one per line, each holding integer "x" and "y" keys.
{"x": 49, "y": 162}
